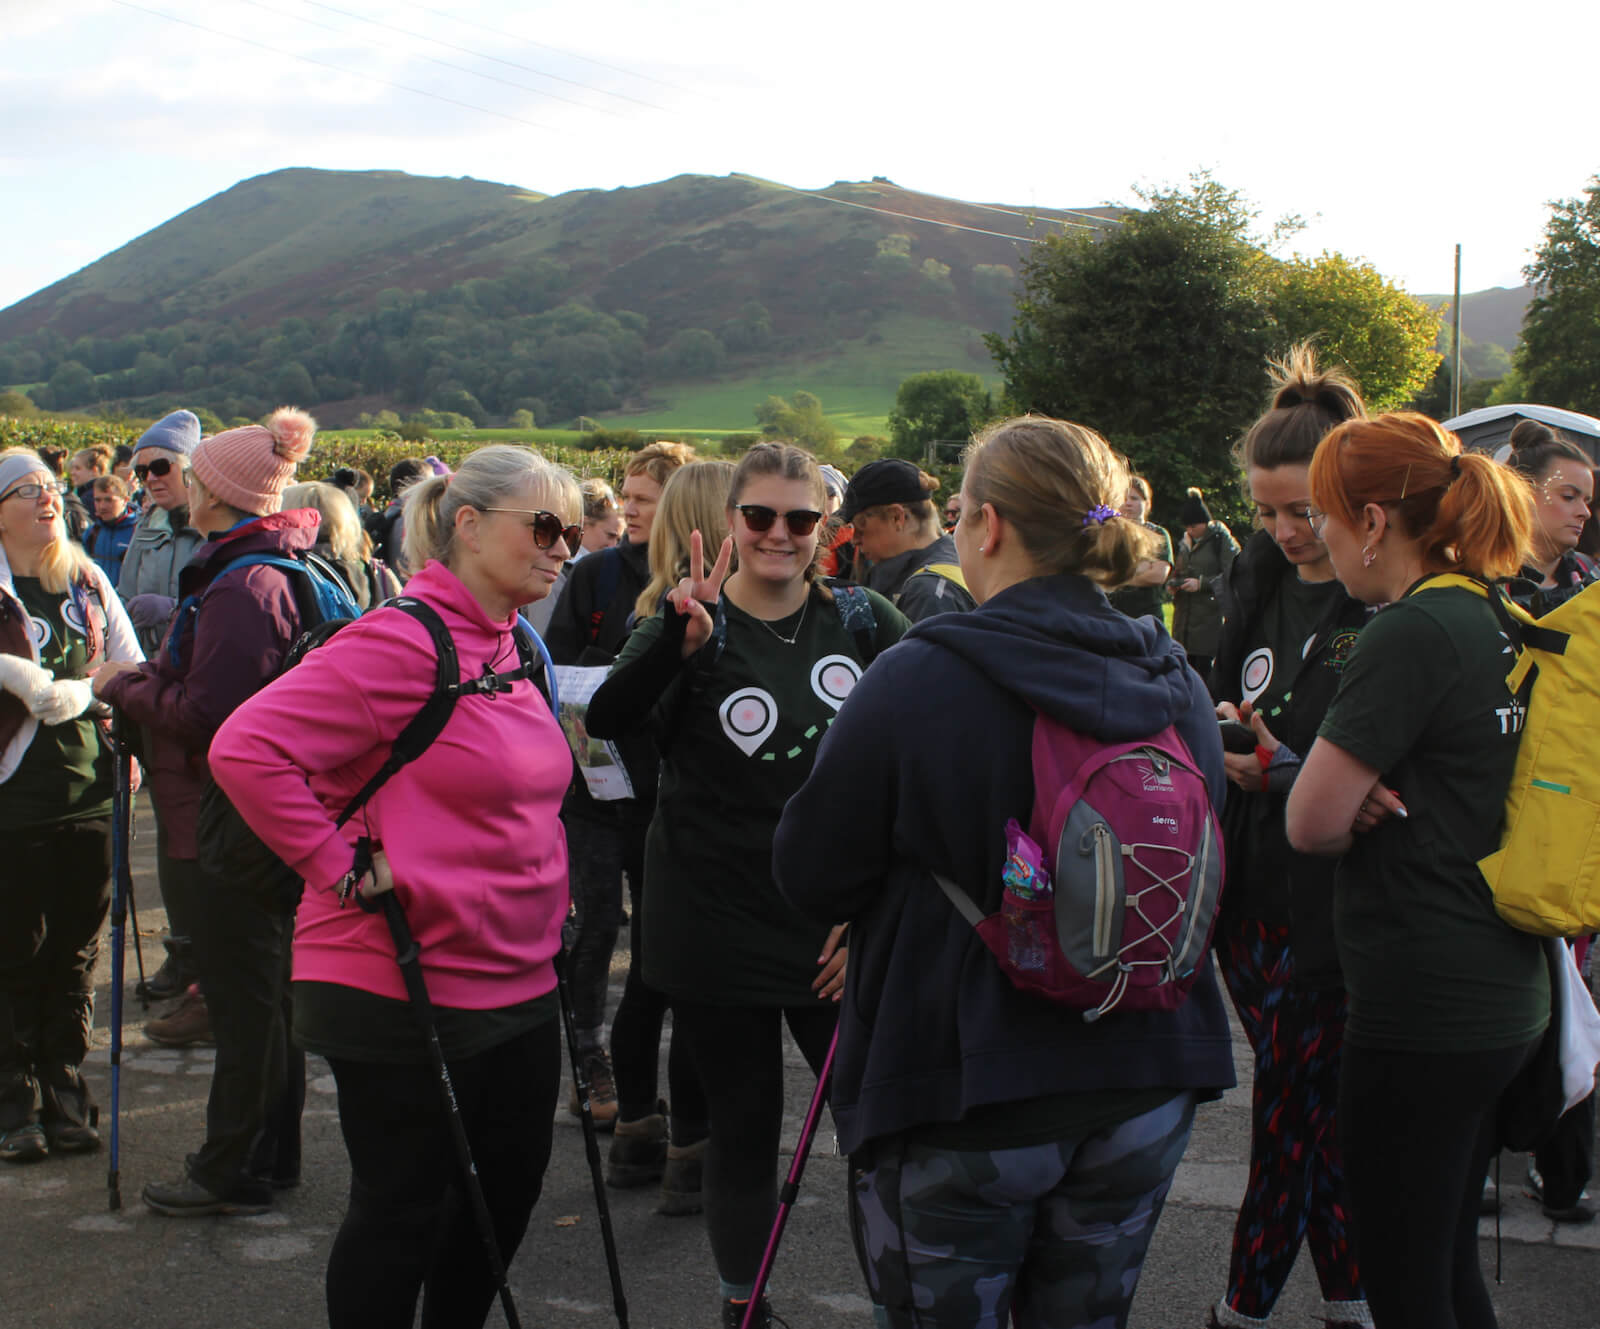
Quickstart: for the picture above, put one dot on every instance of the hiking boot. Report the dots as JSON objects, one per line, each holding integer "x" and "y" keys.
{"x": 733, "y": 1313}
{"x": 680, "y": 1180}
{"x": 1576, "y": 1212}
{"x": 187, "y": 1198}
{"x": 602, "y": 1090}
{"x": 187, "y": 1023}
{"x": 25, "y": 1144}
{"x": 638, "y": 1151}
{"x": 72, "y": 1137}
{"x": 173, "y": 978}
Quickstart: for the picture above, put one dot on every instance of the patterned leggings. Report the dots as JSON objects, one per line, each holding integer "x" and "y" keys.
{"x": 1051, "y": 1235}
{"x": 1295, "y": 1190}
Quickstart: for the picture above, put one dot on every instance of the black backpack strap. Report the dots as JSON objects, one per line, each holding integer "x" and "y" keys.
{"x": 605, "y": 586}
{"x": 428, "y": 723}
{"x": 859, "y": 620}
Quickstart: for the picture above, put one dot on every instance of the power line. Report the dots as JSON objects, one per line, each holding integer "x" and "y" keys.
{"x": 433, "y": 60}
{"x": 516, "y": 37}
{"x": 926, "y": 221}
{"x": 337, "y": 69}
{"x": 480, "y": 55}
{"x": 1013, "y": 212}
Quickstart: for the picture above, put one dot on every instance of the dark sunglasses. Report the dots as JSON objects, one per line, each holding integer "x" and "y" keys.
{"x": 547, "y": 528}
{"x": 800, "y": 521}
{"x": 160, "y": 466}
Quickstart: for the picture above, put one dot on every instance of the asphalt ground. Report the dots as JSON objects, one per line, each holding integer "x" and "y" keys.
{"x": 68, "y": 1261}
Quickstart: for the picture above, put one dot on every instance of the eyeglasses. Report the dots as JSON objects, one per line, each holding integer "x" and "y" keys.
{"x": 1316, "y": 521}
{"x": 547, "y": 527}
{"x": 28, "y": 490}
{"x": 159, "y": 467}
{"x": 800, "y": 521}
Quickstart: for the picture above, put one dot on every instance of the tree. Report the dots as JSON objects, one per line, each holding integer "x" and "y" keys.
{"x": 16, "y": 403}
{"x": 1359, "y": 319}
{"x": 944, "y": 406}
{"x": 1558, "y": 359}
{"x": 1156, "y": 333}
{"x": 799, "y": 418}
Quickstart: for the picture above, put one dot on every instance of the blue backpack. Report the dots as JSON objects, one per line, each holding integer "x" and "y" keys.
{"x": 320, "y": 594}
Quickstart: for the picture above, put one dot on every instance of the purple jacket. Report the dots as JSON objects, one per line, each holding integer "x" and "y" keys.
{"x": 247, "y": 622}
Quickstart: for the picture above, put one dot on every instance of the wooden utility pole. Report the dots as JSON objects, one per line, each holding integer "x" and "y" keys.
{"x": 1455, "y": 345}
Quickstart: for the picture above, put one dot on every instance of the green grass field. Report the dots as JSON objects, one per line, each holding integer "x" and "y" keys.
{"x": 857, "y": 383}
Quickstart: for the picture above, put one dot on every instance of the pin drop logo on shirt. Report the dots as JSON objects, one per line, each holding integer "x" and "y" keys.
{"x": 833, "y": 677}
{"x": 748, "y": 718}
{"x": 39, "y": 630}
{"x": 1256, "y": 675}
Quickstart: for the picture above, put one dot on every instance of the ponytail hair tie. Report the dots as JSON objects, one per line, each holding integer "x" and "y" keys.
{"x": 1098, "y": 515}
{"x": 1455, "y": 468}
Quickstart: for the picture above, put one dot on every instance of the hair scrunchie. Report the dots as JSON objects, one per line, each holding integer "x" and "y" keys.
{"x": 1098, "y": 515}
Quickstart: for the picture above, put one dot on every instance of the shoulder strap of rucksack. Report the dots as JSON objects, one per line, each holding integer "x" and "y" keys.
{"x": 1520, "y": 627}
{"x": 429, "y": 722}
{"x": 949, "y": 571}
{"x": 859, "y": 619}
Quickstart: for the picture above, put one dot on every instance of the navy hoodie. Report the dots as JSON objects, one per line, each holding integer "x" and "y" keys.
{"x": 926, "y": 760}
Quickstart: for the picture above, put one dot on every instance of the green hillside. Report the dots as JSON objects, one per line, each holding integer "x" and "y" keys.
{"x": 694, "y": 297}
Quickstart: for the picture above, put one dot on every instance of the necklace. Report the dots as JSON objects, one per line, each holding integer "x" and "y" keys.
{"x": 788, "y": 641}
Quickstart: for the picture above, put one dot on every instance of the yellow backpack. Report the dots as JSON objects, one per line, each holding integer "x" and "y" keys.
{"x": 1545, "y": 876}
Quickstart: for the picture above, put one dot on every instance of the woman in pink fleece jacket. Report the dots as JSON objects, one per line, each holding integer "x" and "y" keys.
{"x": 468, "y": 837}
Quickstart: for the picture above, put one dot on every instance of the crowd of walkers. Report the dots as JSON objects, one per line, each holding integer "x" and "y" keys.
{"x": 830, "y": 701}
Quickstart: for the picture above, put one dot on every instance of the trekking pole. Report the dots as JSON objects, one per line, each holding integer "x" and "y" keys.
{"x": 121, "y": 898}
{"x": 791, "y": 1186}
{"x": 591, "y": 1142}
{"x": 410, "y": 960}
{"x": 123, "y": 753}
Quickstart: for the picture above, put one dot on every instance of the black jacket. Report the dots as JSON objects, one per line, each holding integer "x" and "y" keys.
{"x": 1267, "y": 880}
{"x": 591, "y": 621}
{"x": 927, "y": 759}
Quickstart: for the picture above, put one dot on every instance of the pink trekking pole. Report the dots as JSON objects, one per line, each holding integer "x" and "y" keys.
{"x": 790, "y": 1190}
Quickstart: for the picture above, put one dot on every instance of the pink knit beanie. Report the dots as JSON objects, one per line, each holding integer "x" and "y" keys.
{"x": 249, "y": 468}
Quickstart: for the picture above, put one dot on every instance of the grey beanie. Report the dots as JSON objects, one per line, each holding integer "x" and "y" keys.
{"x": 178, "y": 432}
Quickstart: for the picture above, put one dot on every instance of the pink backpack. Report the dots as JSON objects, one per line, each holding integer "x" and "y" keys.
{"x": 1117, "y": 910}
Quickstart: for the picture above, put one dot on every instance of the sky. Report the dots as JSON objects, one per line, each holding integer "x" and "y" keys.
{"x": 1396, "y": 130}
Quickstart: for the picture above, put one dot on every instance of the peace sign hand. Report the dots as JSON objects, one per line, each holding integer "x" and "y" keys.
{"x": 687, "y": 596}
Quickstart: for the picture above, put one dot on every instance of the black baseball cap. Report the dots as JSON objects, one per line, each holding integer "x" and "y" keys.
{"x": 889, "y": 480}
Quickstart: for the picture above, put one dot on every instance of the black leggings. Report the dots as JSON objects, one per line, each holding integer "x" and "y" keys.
{"x": 1418, "y": 1130}
{"x": 409, "y": 1226}
{"x": 738, "y": 1051}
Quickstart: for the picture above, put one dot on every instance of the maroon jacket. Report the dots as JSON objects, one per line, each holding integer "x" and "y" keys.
{"x": 228, "y": 651}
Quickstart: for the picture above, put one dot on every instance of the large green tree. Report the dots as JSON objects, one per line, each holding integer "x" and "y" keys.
{"x": 798, "y": 417}
{"x": 1360, "y": 319}
{"x": 943, "y": 406}
{"x": 1157, "y": 332}
{"x": 1559, "y": 356}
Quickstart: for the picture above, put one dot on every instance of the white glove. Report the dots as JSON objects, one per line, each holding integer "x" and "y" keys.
{"x": 22, "y": 678}
{"x": 64, "y": 700}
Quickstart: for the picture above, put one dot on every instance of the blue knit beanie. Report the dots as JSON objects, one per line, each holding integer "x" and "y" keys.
{"x": 178, "y": 432}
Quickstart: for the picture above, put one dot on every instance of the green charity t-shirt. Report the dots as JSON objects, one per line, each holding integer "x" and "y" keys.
{"x": 1429, "y": 965}
{"x": 1137, "y": 601}
{"x": 1288, "y": 619}
{"x": 65, "y": 774}
{"x": 738, "y": 735}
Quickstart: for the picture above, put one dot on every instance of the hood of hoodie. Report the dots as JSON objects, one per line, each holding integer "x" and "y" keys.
{"x": 1057, "y": 643}
{"x": 287, "y": 533}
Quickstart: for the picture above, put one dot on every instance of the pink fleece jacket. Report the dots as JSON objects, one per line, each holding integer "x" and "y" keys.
{"x": 471, "y": 828}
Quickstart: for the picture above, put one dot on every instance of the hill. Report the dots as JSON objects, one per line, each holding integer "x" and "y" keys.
{"x": 356, "y": 290}
{"x": 1491, "y": 326}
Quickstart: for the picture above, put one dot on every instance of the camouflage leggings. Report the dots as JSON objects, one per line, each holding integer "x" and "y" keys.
{"x": 950, "y": 1238}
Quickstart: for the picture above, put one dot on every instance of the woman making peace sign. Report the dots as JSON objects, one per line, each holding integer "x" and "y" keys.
{"x": 739, "y": 682}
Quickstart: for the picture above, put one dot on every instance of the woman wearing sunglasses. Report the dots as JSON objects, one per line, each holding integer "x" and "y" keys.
{"x": 467, "y": 836}
{"x": 163, "y": 541}
{"x": 739, "y": 678}
{"x": 59, "y": 619}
